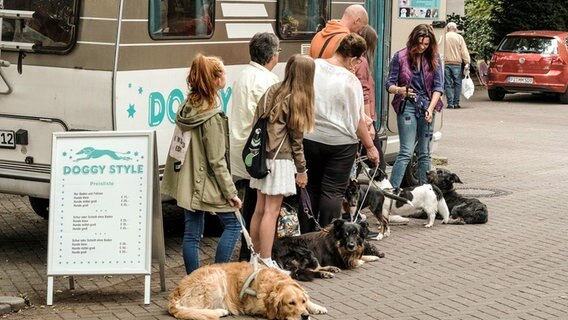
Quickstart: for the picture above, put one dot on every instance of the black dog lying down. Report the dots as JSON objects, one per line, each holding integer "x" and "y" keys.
{"x": 341, "y": 245}
{"x": 462, "y": 210}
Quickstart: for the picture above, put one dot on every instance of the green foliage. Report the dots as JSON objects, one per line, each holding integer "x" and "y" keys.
{"x": 488, "y": 21}
{"x": 514, "y": 15}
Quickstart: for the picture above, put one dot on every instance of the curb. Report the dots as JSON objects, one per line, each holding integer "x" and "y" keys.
{"x": 11, "y": 304}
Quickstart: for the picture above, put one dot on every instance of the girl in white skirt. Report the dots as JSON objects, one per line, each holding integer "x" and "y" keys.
{"x": 290, "y": 108}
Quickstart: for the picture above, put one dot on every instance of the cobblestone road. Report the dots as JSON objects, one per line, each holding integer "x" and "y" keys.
{"x": 513, "y": 155}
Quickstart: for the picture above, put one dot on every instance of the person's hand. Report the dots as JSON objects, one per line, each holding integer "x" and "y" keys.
{"x": 466, "y": 70}
{"x": 236, "y": 202}
{"x": 429, "y": 115}
{"x": 373, "y": 155}
{"x": 302, "y": 179}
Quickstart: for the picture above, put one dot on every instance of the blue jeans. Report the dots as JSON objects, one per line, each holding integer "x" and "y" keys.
{"x": 452, "y": 83}
{"x": 194, "y": 224}
{"x": 412, "y": 131}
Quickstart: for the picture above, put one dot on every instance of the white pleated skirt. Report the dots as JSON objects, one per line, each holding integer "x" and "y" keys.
{"x": 280, "y": 180}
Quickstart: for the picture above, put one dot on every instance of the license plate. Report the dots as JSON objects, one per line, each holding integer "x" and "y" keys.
{"x": 7, "y": 139}
{"x": 521, "y": 80}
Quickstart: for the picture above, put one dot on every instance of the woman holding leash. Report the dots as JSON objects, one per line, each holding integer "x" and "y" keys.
{"x": 415, "y": 78}
{"x": 340, "y": 122}
{"x": 290, "y": 108}
{"x": 198, "y": 176}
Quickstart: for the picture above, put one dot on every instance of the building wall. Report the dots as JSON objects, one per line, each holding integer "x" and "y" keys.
{"x": 455, "y": 7}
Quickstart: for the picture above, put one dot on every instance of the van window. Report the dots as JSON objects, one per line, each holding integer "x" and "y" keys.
{"x": 52, "y": 27}
{"x": 181, "y": 18}
{"x": 300, "y": 19}
{"x": 539, "y": 45}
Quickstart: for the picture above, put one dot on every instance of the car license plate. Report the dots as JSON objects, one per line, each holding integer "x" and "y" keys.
{"x": 521, "y": 80}
{"x": 7, "y": 139}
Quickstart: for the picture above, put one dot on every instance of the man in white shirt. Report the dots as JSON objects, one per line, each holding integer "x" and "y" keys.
{"x": 249, "y": 87}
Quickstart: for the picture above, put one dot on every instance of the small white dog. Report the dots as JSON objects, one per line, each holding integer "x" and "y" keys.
{"x": 423, "y": 198}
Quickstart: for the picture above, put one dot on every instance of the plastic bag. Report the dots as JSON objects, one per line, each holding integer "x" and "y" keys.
{"x": 467, "y": 87}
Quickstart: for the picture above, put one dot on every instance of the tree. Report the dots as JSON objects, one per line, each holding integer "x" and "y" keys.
{"x": 514, "y": 15}
{"x": 478, "y": 31}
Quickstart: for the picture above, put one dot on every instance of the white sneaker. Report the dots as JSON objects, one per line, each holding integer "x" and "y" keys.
{"x": 398, "y": 219}
{"x": 274, "y": 265}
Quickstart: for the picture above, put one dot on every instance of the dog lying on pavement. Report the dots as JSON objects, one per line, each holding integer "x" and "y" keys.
{"x": 462, "y": 210}
{"x": 423, "y": 198}
{"x": 341, "y": 245}
{"x": 213, "y": 291}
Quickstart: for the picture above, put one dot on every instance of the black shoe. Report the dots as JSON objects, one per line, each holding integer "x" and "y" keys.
{"x": 450, "y": 107}
{"x": 457, "y": 107}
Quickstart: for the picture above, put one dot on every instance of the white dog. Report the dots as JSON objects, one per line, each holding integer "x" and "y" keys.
{"x": 423, "y": 198}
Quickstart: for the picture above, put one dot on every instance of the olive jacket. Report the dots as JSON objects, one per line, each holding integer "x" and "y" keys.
{"x": 204, "y": 181}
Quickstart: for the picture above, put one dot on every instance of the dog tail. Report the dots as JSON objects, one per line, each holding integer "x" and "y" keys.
{"x": 303, "y": 275}
{"x": 182, "y": 312}
{"x": 397, "y": 198}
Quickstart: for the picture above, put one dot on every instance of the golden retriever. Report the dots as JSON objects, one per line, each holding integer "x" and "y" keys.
{"x": 212, "y": 292}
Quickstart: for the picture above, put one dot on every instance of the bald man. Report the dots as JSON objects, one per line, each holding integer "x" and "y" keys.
{"x": 455, "y": 53}
{"x": 325, "y": 42}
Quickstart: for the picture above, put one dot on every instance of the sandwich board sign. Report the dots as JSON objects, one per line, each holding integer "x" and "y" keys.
{"x": 102, "y": 204}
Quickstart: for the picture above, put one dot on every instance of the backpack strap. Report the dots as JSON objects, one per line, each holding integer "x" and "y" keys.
{"x": 331, "y": 36}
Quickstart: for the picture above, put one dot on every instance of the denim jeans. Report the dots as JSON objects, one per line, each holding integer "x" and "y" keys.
{"x": 194, "y": 224}
{"x": 412, "y": 131}
{"x": 452, "y": 83}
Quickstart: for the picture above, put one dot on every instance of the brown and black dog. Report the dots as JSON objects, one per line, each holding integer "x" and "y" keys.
{"x": 341, "y": 245}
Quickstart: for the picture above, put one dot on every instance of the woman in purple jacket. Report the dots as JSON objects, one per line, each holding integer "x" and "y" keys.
{"x": 415, "y": 78}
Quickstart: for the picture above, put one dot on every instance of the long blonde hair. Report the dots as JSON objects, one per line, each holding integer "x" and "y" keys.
{"x": 201, "y": 81}
{"x": 298, "y": 87}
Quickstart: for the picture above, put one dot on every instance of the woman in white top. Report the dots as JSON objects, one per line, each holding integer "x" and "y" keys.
{"x": 331, "y": 148}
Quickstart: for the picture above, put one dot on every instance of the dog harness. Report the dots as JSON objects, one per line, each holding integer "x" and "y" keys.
{"x": 246, "y": 286}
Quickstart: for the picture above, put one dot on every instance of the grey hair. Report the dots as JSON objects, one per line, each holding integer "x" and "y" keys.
{"x": 263, "y": 46}
{"x": 452, "y": 26}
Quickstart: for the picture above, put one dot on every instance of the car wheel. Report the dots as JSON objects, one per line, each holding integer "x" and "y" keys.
{"x": 40, "y": 206}
{"x": 411, "y": 174}
{"x": 496, "y": 94}
{"x": 564, "y": 97}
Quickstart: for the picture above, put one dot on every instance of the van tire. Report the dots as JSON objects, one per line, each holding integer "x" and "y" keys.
{"x": 496, "y": 94}
{"x": 564, "y": 97}
{"x": 40, "y": 206}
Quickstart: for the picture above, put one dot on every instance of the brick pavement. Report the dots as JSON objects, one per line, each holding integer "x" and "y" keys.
{"x": 514, "y": 267}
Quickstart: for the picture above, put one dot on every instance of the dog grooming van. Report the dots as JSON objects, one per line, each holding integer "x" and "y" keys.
{"x": 76, "y": 65}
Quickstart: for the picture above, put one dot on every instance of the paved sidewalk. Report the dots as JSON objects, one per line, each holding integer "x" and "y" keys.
{"x": 512, "y": 155}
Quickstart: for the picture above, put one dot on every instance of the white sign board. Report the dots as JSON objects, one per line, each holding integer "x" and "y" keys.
{"x": 101, "y": 203}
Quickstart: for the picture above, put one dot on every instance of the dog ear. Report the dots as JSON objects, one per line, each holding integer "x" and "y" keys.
{"x": 272, "y": 303}
{"x": 455, "y": 178}
{"x": 338, "y": 228}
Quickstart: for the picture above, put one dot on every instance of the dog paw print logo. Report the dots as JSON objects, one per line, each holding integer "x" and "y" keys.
{"x": 88, "y": 153}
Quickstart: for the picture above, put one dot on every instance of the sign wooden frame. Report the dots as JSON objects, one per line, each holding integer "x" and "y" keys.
{"x": 105, "y": 207}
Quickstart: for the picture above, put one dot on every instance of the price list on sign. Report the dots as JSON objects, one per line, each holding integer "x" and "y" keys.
{"x": 99, "y": 217}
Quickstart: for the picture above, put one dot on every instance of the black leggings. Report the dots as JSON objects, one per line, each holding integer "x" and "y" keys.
{"x": 329, "y": 167}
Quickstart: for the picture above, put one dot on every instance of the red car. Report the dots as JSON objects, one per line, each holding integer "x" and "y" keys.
{"x": 530, "y": 61}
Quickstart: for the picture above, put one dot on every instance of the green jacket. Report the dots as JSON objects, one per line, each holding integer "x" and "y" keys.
{"x": 204, "y": 181}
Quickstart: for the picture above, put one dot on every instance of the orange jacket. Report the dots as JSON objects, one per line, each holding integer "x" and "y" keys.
{"x": 334, "y": 31}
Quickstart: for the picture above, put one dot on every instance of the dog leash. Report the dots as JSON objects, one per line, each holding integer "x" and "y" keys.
{"x": 358, "y": 212}
{"x": 307, "y": 206}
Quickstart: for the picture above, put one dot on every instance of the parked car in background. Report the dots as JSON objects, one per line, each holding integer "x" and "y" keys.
{"x": 530, "y": 61}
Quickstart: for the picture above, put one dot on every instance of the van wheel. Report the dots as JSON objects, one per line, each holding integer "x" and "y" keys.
{"x": 564, "y": 97}
{"x": 411, "y": 174}
{"x": 496, "y": 94}
{"x": 40, "y": 206}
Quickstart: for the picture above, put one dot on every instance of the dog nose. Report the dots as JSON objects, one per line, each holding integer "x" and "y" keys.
{"x": 350, "y": 246}
{"x": 305, "y": 317}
